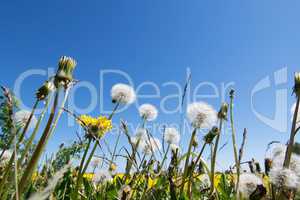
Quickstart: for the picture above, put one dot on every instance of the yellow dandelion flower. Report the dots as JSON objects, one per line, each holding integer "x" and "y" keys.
{"x": 96, "y": 126}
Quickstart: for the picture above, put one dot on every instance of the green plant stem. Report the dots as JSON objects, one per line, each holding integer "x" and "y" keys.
{"x": 187, "y": 160}
{"x": 235, "y": 151}
{"x": 31, "y": 138}
{"x": 43, "y": 140}
{"x": 214, "y": 159}
{"x": 7, "y": 170}
{"x": 165, "y": 156}
{"x": 200, "y": 154}
{"x": 289, "y": 150}
{"x": 288, "y": 154}
{"x": 28, "y": 121}
{"x": 16, "y": 167}
{"x": 80, "y": 168}
{"x": 83, "y": 168}
{"x": 90, "y": 158}
{"x": 194, "y": 165}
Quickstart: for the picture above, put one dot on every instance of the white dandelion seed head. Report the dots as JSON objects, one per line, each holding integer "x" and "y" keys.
{"x": 95, "y": 161}
{"x": 205, "y": 180}
{"x": 283, "y": 178}
{"x": 140, "y": 138}
{"x": 175, "y": 147}
{"x": 201, "y": 115}
{"x": 152, "y": 145}
{"x": 6, "y": 156}
{"x": 171, "y": 135}
{"x": 102, "y": 176}
{"x": 278, "y": 161}
{"x": 248, "y": 184}
{"x": 21, "y": 117}
{"x": 141, "y": 133}
{"x": 138, "y": 141}
{"x": 148, "y": 112}
{"x": 275, "y": 150}
{"x": 295, "y": 164}
{"x": 123, "y": 93}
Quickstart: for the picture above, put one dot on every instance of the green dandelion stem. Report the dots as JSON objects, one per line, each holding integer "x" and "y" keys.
{"x": 31, "y": 138}
{"x": 188, "y": 158}
{"x": 214, "y": 158}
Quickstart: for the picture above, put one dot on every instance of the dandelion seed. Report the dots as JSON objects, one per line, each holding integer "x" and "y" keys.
{"x": 248, "y": 184}
{"x": 175, "y": 147}
{"x": 6, "y": 156}
{"x": 21, "y": 118}
{"x": 171, "y": 136}
{"x": 148, "y": 112}
{"x": 141, "y": 133}
{"x": 125, "y": 192}
{"x": 95, "y": 161}
{"x": 205, "y": 180}
{"x": 276, "y": 150}
{"x": 102, "y": 176}
{"x": 140, "y": 138}
{"x": 284, "y": 178}
{"x": 151, "y": 146}
{"x": 44, "y": 194}
{"x": 201, "y": 115}
{"x": 123, "y": 93}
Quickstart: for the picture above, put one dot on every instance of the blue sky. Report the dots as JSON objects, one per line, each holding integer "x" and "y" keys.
{"x": 152, "y": 40}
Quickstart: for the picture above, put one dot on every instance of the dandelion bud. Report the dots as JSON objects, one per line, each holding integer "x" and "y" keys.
{"x": 297, "y": 84}
{"x": 231, "y": 93}
{"x": 112, "y": 167}
{"x": 44, "y": 91}
{"x": 209, "y": 137}
{"x": 195, "y": 142}
{"x": 125, "y": 192}
{"x": 64, "y": 74}
{"x": 251, "y": 167}
{"x": 223, "y": 111}
{"x": 257, "y": 167}
{"x": 268, "y": 165}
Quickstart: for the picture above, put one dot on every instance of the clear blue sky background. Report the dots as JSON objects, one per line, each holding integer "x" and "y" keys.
{"x": 152, "y": 40}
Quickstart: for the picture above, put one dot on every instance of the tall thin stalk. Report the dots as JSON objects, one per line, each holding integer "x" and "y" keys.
{"x": 214, "y": 158}
{"x": 16, "y": 167}
{"x": 43, "y": 140}
{"x": 165, "y": 156}
{"x": 187, "y": 160}
{"x": 234, "y": 145}
{"x": 32, "y": 136}
{"x": 288, "y": 154}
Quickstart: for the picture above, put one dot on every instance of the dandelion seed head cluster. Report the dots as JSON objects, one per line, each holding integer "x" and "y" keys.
{"x": 6, "y": 156}
{"x": 122, "y": 93}
{"x": 95, "y": 161}
{"x": 102, "y": 176}
{"x": 248, "y": 184}
{"x": 151, "y": 145}
{"x": 175, "y": 147}
{"x": 201, "y": 115}
{"x": 148, "y": 112}
{"x": 171, "y": 135}
{"x": 284, "y": 178}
